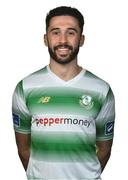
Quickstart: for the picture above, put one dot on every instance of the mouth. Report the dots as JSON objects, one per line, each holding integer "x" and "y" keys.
{"x": 63, "y": 50}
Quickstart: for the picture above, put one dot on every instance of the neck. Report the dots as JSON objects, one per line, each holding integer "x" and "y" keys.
{"x": 65, "y": 71}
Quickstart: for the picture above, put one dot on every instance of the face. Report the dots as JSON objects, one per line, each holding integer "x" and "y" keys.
{"x": 63, "y": 39}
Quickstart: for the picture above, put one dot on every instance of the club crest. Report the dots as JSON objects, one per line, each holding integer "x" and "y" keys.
{"x": 87, "y": 101}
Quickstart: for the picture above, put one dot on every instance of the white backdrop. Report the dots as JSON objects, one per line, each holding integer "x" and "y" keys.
{"x": 22, "y": 52}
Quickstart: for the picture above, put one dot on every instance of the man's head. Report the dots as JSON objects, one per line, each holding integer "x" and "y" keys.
{"x": 64, "y": 27}
{"x": 65, "y": 11}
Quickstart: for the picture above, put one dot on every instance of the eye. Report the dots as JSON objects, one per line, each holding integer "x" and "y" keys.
{"x": 71, "y": 33}
{"x": 55, "y": 32}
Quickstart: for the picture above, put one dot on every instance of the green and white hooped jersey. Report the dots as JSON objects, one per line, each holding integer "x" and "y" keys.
{"x": 65, "y": 119}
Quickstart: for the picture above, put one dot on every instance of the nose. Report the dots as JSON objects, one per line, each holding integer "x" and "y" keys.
{"x": 63, "y": 38}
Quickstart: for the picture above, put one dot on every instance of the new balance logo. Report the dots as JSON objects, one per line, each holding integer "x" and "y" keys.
{"x": 44, "y": 99}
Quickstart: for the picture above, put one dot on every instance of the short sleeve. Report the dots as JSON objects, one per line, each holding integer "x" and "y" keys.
{"x": 20, "y": 112}
{"x": 106, "y": 118}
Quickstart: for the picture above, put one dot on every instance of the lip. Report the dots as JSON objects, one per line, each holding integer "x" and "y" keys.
{"x": 63, "y": 47}
{"x": 63, "y": 51}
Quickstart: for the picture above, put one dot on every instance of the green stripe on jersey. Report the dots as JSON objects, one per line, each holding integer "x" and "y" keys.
{"x": 64, "y": 100}
{"x": 62, "y": 147}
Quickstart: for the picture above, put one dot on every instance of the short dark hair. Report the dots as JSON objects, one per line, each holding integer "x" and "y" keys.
{"x": 63, "y": 11}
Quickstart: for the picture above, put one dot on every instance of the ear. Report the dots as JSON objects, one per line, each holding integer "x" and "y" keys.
{"x": 82, "y": 39}
{"x": 45, "y": 40}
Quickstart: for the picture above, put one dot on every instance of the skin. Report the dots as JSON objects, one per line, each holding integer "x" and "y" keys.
{"x": 63, "y": 32}
{"x": 103, "y": 152}
{"x": 23, "y": 145}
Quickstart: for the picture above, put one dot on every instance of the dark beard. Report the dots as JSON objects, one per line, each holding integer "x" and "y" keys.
{"x": 72, "y": 56}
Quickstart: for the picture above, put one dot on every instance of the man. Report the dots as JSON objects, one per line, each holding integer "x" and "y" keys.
{"x": 63, "y": 114}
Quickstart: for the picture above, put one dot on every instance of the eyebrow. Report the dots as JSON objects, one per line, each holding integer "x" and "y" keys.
{"x": 53, "y": 29}
{"x": 73, "y": 29}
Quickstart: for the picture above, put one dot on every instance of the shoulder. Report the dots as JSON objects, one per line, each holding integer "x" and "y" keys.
{"x": 97, "y": 83}
{"x": 35, "y": 75}
{"x": 93, "y": 76}
{"x": 33, "y": 80}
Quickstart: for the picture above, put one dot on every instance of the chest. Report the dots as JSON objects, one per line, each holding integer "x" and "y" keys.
{"x": 64, "y": 101}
